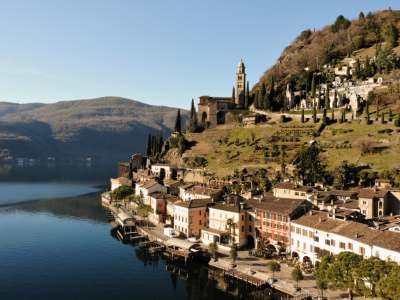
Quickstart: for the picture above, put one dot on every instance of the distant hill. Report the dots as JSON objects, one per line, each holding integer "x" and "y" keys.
{"x": 98, "y": 128}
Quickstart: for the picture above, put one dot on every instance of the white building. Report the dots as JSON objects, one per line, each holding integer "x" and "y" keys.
{"x": 317, "y": 234}
{"x": 144, "y": 188}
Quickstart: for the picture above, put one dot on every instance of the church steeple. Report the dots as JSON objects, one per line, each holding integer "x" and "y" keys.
{"x": 240, "y": 84}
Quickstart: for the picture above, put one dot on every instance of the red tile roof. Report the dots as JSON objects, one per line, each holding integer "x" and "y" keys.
{"x": 285, "y": 185}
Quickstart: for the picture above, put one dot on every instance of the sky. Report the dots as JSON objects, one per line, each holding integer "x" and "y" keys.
{"x": 163, "y": 52}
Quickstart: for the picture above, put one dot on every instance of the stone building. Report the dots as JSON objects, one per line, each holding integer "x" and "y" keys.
{"x": 214, "y": 109}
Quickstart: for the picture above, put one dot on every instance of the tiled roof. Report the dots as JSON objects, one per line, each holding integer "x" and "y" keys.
{"x": 278, "y": 205}
{"x": 203, "y": 191}
{"x": 371, "y": 193}
{"x": 149, "y": 184}
{"x": 303, "y": 189}
{"x": 195, "y": 203}
{"x": 383, "y": 180}
{"x": 171, "y": 182}
{"x": 226, "y": 207}
{"x": 284, "y": 185}
{"x": 388, "y": 240}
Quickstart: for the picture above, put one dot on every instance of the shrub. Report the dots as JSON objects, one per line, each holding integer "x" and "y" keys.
{"x": 325, "y": 121}
{"x": 271, "y": 123}
{"x": 397, "y": 123}
{"x": 381, "y": 131}
{"x": 208, "y": 124}
{"x": 340, "y": 121}
{"x": 366, "y": 145}
{"x": 388, "y": 130}
{"x": 282, "y": 119}
{"x": 185, "y": 159}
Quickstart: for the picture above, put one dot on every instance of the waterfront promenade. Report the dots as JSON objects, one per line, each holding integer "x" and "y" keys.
{"x": 245, "y": 262}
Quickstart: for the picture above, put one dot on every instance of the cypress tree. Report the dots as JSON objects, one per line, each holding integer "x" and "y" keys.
{"x": 367, "y": 112}
{"x": 319, "y": 94}
{"x": 154, "y": 146}
{"x": 343, "y": 116}
{"x": 148, "y": 145}
{"x": 390, "y": 112}
{"x": 377, "y": 109}
{"x": 327, "y": 104}
{"x": 313, "y": 86}
{"x": 324, "y": 112}
{"x": 357, "y": 64}
{"x": 367, "y": 68}
{"x": 160, "y": 142}
{"x": 348, "y": 71}
{"x": 335, "y": 100}
{"x": 177, "y": 127}
{"x": 302, "y": 115}
{"x": 255, "y": 103}
{"x": 333, "y": 114}
{"x": 233, "y": 96}
{"x": 261, "y": 96}
{"x": 272, "y": 92}
{"x": 246, "y": 101}
{"x": 383, "y": 118}
{"x": 315, "y": 115}
{"x": 267, "y": 103}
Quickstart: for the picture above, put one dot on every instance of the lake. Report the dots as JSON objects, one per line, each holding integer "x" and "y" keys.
{"x": 56, "y": 243}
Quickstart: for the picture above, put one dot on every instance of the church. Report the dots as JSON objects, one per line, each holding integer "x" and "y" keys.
{"x": 214, "y": 109}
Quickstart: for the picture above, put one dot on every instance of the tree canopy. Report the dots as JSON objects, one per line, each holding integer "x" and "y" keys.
{"x": 310, "y": 166}
{"x": 122, "y": 192}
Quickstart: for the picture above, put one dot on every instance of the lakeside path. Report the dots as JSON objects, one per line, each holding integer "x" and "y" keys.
{"x": 255, "y": 264}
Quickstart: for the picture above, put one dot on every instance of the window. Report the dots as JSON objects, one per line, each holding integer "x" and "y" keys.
{"x": 316, "y": 238}
{"x": 350, "y": 246}
{"x": 298, "y": 230}
{"x": 275, "y": 217}
{"x": 287, "y": 240}
{"x": 279, "y": 218}
{"x": 265, "y": 223}
{"x": 342, "y": 245}
{"x": 199, "y": 222}
{"x": 296, "y": 193}
{"x": 249, "y": 228}
{"x": 303, "y": 194}
{"x": 285, "y": 219}
{"x": 268, "y": 216}
{"x": 242, "y": 217}
{"x": 304, "y": 232}
{"x": 292, "y": 228}
{"x": 328, "y": 242}
{"x": 364, "y": 202}
{"x": 287, "y": 227}
{"x": 199, "y": 212}
{"x": 310, "y": 248}
{"x": 333, "y": 243}
{"x": 276, "y": 225}
{"x": 304, "y": 246}
{"x": 191, "y": 220}
{"x": 292, "y": 242}
{"x": 377, "y": 253}
{"x": 250, "y": 218}
{"x": 242, "y": 228}
{"x": 275, "y": 237}
{"x": 281, "y": 227}
{"x": 362, "y": 251}
{"x": 298, "y": 244}
{"x": 310, "y": 234}
{"x": 282, "y": 238}
{"x": 269, "y": 235}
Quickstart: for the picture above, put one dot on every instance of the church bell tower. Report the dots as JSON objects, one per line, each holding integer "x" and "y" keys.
{"x": 240, "y": 84}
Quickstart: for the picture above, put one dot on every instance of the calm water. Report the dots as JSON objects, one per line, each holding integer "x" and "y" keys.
{"x": 56, "y": 243}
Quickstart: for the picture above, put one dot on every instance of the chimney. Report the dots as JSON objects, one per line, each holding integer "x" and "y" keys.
{"x": 260, "y": 200}
{"x": 310, "y": 212}
{"x": 332, "y": 202}
{"x": 356, "y": 235}
{"x": 320, "y": 219}
{"x": 391, "y": 214}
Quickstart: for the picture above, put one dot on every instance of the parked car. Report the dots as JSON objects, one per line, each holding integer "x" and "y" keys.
{"x": 194, "y": 240}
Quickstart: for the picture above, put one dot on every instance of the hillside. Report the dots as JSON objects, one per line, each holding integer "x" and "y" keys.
{"x": 98, "y": 128}
{"x": 361, "y": 37}
{"x": 7, "y": 108}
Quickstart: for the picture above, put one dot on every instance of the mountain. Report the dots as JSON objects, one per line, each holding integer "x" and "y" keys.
{"x": 99, "y": 128}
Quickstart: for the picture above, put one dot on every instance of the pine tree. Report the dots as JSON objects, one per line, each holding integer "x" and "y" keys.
{"x": 233, "y": 96}
{"x": 313, "y": 86}
{"x": 315, "y": 114}
{"x": 246, "y": 101}
{"x": 148, "y": 145}
{"x": 327, "y": 104}
{"x": 361, "y": 16}
{"x": 177, "y": 127}
{"x": 302, "y": 115}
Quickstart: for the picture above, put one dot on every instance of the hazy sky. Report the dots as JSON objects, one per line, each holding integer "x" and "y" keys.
{"x": 157, "y": 52}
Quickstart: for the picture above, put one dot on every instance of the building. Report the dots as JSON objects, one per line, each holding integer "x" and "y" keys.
{"x": 250, "y": 119}
{"x": 156, "y": 168}
{"x": 214, "y": 109}
{"x": 120, "y": 181}
{"x": 173, "y": 186}
{"x": 291, "y": 190}
{"x": 191, "y": 216}
{"x": 383, "y": 183}
{"x": 219, "y": 215}
{"x": 200, "y": 192}
{"x": 373, "y": 202}
{"x": 144, "y": 188}
{"x": 317, "y": 234}
{"x": 137, "y": 161}
{"x": 240, "y": 84}
{"x": 324, "y": 199}
{"x": 273, "y": 219}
